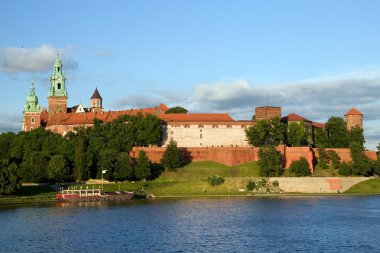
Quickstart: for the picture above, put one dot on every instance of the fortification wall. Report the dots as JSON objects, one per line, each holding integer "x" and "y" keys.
{"x": 345, "y": 155}
{"x": 317, "y": 184}
{"x": 237, "y": 155}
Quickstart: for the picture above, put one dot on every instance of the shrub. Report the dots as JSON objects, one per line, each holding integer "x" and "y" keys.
{"x": 215, "y": 180}
{"x": 334, "y": 158}
{"x": 172, "y": 158}
{"x": 300, "y": 168}
{"x": 345, "y": 169}
{"x": 251, "y": 185}
{"x": 276, "y": 183}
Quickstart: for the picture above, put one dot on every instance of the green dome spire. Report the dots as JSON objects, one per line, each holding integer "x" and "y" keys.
{"x": 31, "y": 104}
{"x": 57, "y": 80}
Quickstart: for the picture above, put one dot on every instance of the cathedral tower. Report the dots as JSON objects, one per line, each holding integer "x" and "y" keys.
{"x": 32, "y": 111}
{"x": 96, "y": 102}
{"x": 58, "y": 93}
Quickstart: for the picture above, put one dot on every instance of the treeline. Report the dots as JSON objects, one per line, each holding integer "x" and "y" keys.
{"x": 42, "y": 156}
{"x": 267, "y": 134}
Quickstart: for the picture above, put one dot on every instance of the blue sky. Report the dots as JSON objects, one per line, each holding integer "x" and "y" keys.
{"x": 314, "y": 58}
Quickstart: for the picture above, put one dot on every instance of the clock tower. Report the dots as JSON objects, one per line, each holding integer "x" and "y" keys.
{"x": 57, "y": 98}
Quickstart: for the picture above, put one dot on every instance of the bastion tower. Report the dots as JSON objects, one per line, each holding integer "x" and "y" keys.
{"x": 57, "y": 98}
{"x": 96, "y": 102}
{"x": 32, "y": 111}
{"x": 354, "y": 118}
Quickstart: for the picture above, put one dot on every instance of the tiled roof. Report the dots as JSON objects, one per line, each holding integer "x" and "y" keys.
{"x": 44, "y": 117}
{"x": 353, "y": 111}
{"x": 294, "y": 117}
{"x": 318, "y": 125}
{"x": 196, "y": 117}
{"x": 105, "y": 116}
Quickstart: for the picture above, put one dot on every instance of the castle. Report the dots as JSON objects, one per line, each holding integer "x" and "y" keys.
{"x": 187, "y": 129}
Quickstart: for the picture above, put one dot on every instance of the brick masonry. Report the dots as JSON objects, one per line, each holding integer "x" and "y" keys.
{"x": 232, "y": 156}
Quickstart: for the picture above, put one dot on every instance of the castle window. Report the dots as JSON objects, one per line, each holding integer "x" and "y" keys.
{"x": 187, "y": 126}
{"x": 200, "y": 136}
{"x": 214, "y": 126}
{"x": 33, "y": 120}
{"x": 228, "y": 126}
{"x": 200, "y": 126}
{"x": 58, "y": 69}
{"x": 59, "y": 86}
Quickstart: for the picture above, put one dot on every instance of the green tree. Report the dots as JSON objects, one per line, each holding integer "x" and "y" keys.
{"x": 323, "y": 158}
{"x": 321, "y": 138}
{"x": 124, "y": 167}
{"x": 345, "y": 169}
{"x": 80, "y": 160}
{"x": 33, "y": 167}
{"x": 265, "y": 132}
{"x": 142, "y": 166}
{"x": 176, "y": 109}
{"x": 334, "y": 158}
{"x": 296, "y": 136}
{"x": 172, "y": 158}
{"x": 58, "y": 170}
{"x": 356, "y": 135}
{"x": 270, "y": 162}
{"x": 300, "y": 168}
{"x": 360, "y": 163}
{"x": 9, "y": 178}
{"x": 106, "y": 161}
{"x": 337, "y": 132}
{"x": 6, "y": 140}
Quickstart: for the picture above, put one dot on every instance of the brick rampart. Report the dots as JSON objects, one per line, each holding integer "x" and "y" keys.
{"x": 345, "y": 155}
{"x": 237, "y": 155}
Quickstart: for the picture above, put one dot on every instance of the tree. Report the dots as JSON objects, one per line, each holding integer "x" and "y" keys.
{"x": 172, "y": 158}
{"x": 106, "y": 161}
{"x": 80, "y": 159}
{"x": 296, "y": 134}
{"x": 58, "y": 170}
{"x": 265, "y": 132}
{"x": 345, "y": 169}
{"x": 124, "y": 167}
{"x": 337, "y": 133}
{"x": 270, "y": 162}
{"x": 321, "y": 138}
{"x": 33, "y": 168}
{"x": 334, "y": 158}
{"x": 6, "y": 140}
{"x": 176, "y": 109}
{"x": 323, "y": 158}
{"x": 300, "y": 168}
{"x": 360, "y": 163}
{"x": 9, "y": 178}
{"x": 142, "y": 166}
{"x": 356, "y": 135}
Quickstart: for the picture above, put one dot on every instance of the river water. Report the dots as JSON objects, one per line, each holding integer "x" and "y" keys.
{"x": 235, "y": 224}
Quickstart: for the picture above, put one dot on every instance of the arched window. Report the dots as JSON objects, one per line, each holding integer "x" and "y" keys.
{"x": 59, "y": 86}
{"x": 33, "y": 120}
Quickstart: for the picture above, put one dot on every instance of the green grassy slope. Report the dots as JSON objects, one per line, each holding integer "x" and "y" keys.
{"x": 371, "y": 186}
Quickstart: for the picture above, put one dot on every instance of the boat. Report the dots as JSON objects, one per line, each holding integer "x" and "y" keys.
{"x": 93, "y": 195}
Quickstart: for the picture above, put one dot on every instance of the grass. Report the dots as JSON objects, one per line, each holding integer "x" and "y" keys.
{"x": 30, "y": 194}
{"x": 371, "y": 186}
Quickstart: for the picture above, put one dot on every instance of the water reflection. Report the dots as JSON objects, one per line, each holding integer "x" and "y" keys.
{"x": 341, "y": 224}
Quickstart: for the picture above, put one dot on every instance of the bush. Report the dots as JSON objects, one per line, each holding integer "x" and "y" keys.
{"x": 172, "y": 158}
{"x": 334, "y": 158}
{"x": 301, "y": 167}
{"x": 215, "y": 180}
{"x": 345, "y": 169}
{"x": 251, "y": 185}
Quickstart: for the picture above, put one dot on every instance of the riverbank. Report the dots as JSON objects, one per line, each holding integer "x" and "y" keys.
{"x": 191, "y": 181}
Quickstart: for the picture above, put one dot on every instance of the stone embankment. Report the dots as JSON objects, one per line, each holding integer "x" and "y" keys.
{"x": 317, "y": 184}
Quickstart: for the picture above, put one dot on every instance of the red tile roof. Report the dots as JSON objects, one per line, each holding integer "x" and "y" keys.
{"x": 318, "y": 125}
{"x": 353, "y": 111}
{"x": 196, "y": 117}
{"x": 294, "y": 117}
{"x": 105, "y": 116}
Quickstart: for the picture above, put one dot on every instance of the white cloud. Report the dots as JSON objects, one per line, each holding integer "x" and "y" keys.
{"x": 10, "y": 122}
{"x": 13, "y": 60}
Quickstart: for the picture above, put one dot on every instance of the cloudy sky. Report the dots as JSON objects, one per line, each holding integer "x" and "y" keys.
{"x": 314, "y": 58}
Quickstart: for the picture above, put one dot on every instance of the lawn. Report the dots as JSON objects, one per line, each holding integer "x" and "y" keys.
{"x": 371, "y": 186}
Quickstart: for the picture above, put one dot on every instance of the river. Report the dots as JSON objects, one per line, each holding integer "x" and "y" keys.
{"x": 228, "y": 224}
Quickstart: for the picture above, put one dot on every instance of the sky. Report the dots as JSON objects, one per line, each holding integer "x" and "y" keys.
{"x": 314, "y": 58}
